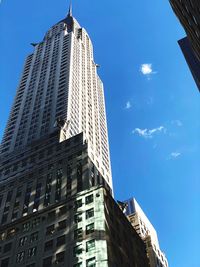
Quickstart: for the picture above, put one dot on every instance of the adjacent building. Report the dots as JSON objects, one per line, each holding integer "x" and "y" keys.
{"x": 87, "y": 230}
{"x": 147, "y": 232}
{"x": 192, "y": 61}
{"x": 188, "y": 12}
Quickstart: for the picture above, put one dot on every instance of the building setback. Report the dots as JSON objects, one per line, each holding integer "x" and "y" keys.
{"x": 147, "y": 232}
{"x": 86, "y": 230}
{"x": 188, "y": 13}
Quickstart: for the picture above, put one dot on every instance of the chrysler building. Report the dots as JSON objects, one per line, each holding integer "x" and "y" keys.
{"x": 60, "y": 87}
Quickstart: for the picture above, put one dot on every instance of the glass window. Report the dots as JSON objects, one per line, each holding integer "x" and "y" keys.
{"x": 26, "y": 226}
{"x": 89, "y": 228}
{"x": 20, "y": 257}
{"x": 34, "y": 237}
{"x": 78, "y": 218}
{"x": 91, "y": 262}
{"x": 60, "y": 257}
{"x": 23, "y": 241}
{"x": 89, "y": 213}
{"x": 89, "y": 199}
{"x": 60, "y": 240}
{"x": 78, "y": 233}
{"x": 78, "y": 250}
{"x": 90, "y": 245}
{"x": 50, "y": 229}
{"x": 78, "y": 203}
{"x": 62, "y": 225}
{"x": 32, "y": 252}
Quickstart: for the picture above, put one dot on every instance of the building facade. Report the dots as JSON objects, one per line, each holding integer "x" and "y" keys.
{"x": 60, "y": 86}
{"x": 192, "y": 61}
{"x": 147, "y": 232}
{"x": 188, "y": 12}
{"x": 74, "y": 232}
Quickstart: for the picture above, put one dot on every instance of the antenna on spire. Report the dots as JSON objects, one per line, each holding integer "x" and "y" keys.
{"x": 70, "y": 9}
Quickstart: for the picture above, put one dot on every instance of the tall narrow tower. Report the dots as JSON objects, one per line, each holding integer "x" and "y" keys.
{"x": 60, "y": 87}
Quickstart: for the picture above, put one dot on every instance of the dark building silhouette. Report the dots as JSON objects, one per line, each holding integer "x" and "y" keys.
{"x": 188, "y": 13}
{"x": 192, "y": 61}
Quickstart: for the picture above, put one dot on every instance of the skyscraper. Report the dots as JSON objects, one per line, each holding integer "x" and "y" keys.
{"x": 60, "y": 87}
{"x": 147, "y": 232}
{"x": 188, "y": 12}
{"x": 192, "y": 60}
{"x": 56, "y": 204}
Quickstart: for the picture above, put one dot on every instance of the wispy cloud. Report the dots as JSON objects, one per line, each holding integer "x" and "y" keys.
{"x": 177, "y": 123}
{"x": 149, "y": 133}
{"x": 147, "y": 70}
{"x": 175, "y": 155}
{"x": 150, "y": 101}
{"x": 128, "y": 105}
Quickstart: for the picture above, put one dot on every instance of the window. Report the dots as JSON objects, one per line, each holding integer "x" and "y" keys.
{"x": 7, "y": 247}
{"x": 5, "y": 262}
{"x": 78, "y": 203}
{"x": 20, "y": 257}
{"x": 34, "y": 237}
{"x": 32, "y": 252}
{"x": 60, "y": 257}
{"x": 89, "y": 213}
{"x": 47, "y": 262}
{"x": 62, "y": 225}
{"x": 62, "y": 210}
{"x": 78, "y": 218}
{"x": 26, "y": 227}
{"x": 90, "y": 245}
{"x": 48, "y": 245}
{"x": 89, "y": 199}
{"x": 51, "y": 215}
{"x": 78, "y": 233}
{"x": 50, "y": 230}
{"x": 77, "y": 250}
{"x": 23, "y": 241}
{"x": 91, "y": 262}
{"x": 60, "y": 241}
{"x": 89, "y": 228}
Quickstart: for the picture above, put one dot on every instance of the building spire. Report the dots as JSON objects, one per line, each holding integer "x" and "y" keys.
{"x": 70, "y": 9}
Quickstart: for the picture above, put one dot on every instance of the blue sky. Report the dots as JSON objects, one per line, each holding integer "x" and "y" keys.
{"x": 152, "y": 104}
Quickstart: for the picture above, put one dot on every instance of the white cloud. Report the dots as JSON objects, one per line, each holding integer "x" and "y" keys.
{"x": 128, "y": 105}
{"x": 149, "y": 133}
{"x": 175, "y": 155}
{"x": 177, "y": 123}
{"x": 147, "y": 70}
